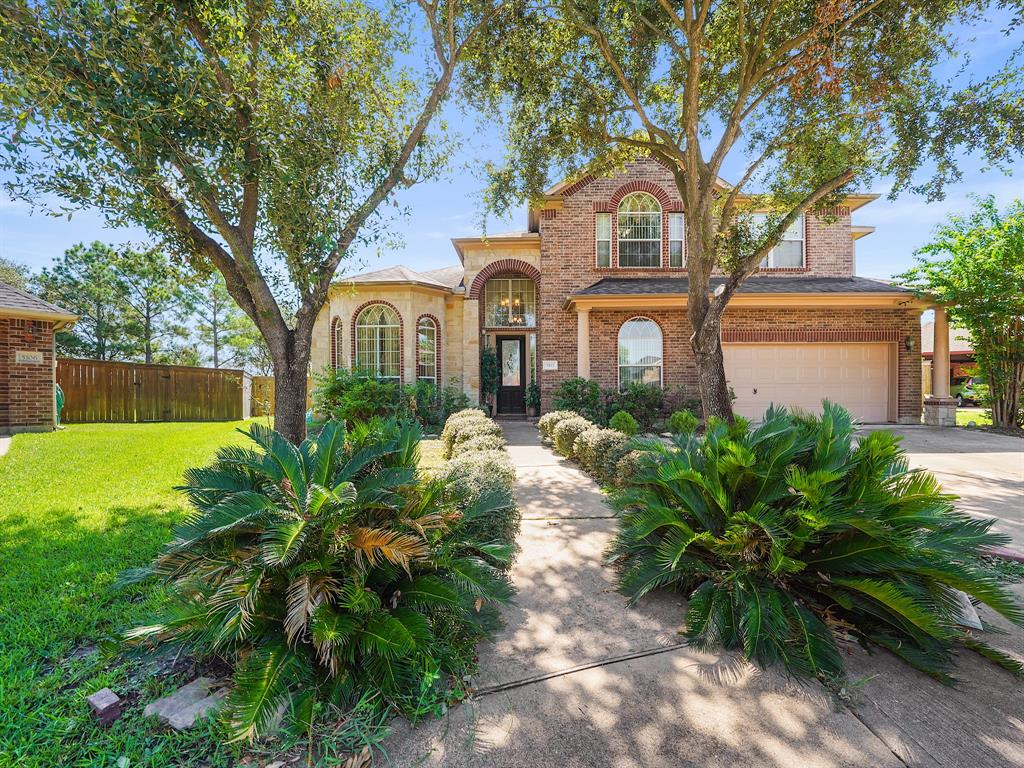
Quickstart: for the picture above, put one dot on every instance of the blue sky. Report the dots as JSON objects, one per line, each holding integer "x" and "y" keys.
{"x": 448, "y": 208}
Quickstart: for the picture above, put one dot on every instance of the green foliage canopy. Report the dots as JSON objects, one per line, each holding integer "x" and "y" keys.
{"x": 975, "y": 266}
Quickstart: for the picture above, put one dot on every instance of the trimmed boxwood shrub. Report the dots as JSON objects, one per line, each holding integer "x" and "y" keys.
{"x": 547, "y": 423}
{"x": 629, "y": 465}
{"x": 598, "y": 450}
{"x": 567, "y": 431}
{"x": 483, "y": 480}
{"x": 463, "y": 426}
{"x": 682, "y": 423}
{"x": 482, "y": 443}
{"x": 795, "y": 538}
{"x": 624, "y": 423}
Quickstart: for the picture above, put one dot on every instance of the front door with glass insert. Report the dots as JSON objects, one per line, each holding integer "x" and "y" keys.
{"x": 512, "y": 389}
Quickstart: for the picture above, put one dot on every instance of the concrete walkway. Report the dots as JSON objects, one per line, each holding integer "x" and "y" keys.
{"x": 578, "y": 679}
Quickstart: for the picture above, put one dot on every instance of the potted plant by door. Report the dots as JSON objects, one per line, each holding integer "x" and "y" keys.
{"x": 490, "y": 376}
{"x": 533, "y": 399}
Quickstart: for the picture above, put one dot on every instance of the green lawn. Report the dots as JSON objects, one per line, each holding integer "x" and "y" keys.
{"x": 76, "y": 508}
{"x": 978, "y": 415}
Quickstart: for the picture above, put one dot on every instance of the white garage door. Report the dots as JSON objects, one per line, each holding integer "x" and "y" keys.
{"x": 802, "y": 375}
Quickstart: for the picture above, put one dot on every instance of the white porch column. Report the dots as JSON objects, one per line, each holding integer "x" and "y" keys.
{"x": 939, "y": 407}
{"x": 940, "y": 354}
{"x": 583, "y": 343}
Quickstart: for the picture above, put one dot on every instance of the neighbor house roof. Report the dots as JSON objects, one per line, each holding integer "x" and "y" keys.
{"x": 627, "y": 286}
{"x": 959, "y": 339}
{"x": 18, "y": 303}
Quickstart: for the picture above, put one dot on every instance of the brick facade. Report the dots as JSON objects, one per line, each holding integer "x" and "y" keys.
{"x": 764, "y": 325}
{"x": 26, "y": 389}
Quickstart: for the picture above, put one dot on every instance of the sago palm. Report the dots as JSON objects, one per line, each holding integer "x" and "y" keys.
{"x": 326, "y": 570}
{"x": 792, "y": 536}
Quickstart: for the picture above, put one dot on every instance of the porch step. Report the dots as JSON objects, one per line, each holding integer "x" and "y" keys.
{"x": 510, "y": 417}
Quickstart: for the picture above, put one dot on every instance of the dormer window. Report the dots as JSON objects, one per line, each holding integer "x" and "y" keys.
{"x": 639, "y": 231}
{"x": 790, "y": 249}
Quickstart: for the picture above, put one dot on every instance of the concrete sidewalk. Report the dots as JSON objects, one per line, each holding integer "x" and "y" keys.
{"x": 578, "y": 679}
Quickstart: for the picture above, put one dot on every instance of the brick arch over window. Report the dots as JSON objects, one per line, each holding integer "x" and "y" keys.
{"x": 401, "y": 334}
{"x": 655, "y": 190}
{"x": 336, "y": 342}
{"x": 501, "y": 267}
{"x": 437, "y": 345}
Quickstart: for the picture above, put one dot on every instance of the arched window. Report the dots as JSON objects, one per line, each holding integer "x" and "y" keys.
{"x": 336, "y": 339}
{"x": 379, "y": 342}
{"x": 639, "y": 231}
{"x": 426, "y": 350}
{"x": 640, "y": 352}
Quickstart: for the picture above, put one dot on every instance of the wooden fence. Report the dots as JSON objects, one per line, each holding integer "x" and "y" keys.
{"x": 263, "y": 395}
{"x": 96, "y": 391}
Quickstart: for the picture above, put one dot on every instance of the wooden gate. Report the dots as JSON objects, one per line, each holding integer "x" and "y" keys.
{"x": 96, "y": 391}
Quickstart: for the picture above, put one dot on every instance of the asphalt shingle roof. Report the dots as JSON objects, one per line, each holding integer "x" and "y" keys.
{"x": 14, "y": 301}
{"x": 618, "y": 286}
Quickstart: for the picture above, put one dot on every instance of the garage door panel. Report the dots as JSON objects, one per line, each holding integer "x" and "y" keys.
{"x": 802, "y": 375}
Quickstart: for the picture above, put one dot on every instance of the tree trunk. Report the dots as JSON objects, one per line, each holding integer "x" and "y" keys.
{"x": 290, "y": 386}
{"x": 707, "y": 351}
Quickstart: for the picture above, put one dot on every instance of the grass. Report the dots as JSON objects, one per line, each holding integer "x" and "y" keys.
{"x": 78, "y": 507}
{"x": 979, "y": 416}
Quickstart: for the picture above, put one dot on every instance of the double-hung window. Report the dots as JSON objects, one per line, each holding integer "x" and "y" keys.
{"x": 603, "y": 238}
{"x": 789, "y": 252}
{"x": 676, "y": 235}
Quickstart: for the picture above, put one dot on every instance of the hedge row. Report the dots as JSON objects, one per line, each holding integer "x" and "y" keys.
{"x": 478, "y": 465}
{"x": 607, "y": 454}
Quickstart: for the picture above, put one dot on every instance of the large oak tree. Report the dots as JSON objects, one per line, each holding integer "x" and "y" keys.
{"x": 254, "y": 137}
{"x": 804, "y": 96}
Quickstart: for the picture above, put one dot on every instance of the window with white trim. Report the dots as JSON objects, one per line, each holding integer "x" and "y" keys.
{"x": 639, "y": 231}
{"x": 640, "y": 352}
{"x": 789, "y": 252}
{"x": 510, "y": 302}
{"x": 336, "y": 338}
{"x": 676, "y": 234}
{"x": 603, "y": 238}
{"x": 426, "y": 350}
{"x": 378, "y": 342}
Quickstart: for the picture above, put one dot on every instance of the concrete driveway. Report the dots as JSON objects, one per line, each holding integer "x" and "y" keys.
{"x": 985, "y": 470}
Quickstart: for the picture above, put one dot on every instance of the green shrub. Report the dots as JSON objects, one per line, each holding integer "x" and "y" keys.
{"x": 629, "y": 465}
{"x": 582, "y": 396}
{"x": 328, "y": 572}
{"x": 641, "y": 401}
{"x": 682, "y": 423}
{"x": 791, "y": 536}
{"x": 533, "y": 395}
{"x": 624, "y": 423}
{"x": 485, "y": 479}
{"x": 350, "y": 396}
{"x": 567, "y": 431}
{"x": 483, "y": 443}
{"x": 598, "y": 450}
{"x": 547, "y": 423}
{"x": 465, "y": 425}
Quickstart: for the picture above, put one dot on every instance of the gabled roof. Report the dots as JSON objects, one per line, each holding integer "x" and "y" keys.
{"x": 450, "y": 276}
{"x": 522, "y": 238}
{"x": 18, "y": 303}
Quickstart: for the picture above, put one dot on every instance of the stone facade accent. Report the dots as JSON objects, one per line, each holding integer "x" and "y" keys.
{"x": 940, "y": 412}
{"x": 26, "y": 389}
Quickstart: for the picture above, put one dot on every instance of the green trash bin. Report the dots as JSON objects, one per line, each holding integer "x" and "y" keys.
{"x": 60, "y": 401}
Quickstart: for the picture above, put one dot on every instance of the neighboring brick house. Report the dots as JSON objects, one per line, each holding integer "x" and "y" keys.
{"x": 597, "y": 287}
{"x": 27, "y": 361}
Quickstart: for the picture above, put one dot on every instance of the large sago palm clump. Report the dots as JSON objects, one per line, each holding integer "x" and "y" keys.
{"x": 328, "y": 572}
{"x": 794, "y": 537}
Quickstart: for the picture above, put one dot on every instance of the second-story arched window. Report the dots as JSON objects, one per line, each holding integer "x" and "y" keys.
{"x": 639, "y": 234}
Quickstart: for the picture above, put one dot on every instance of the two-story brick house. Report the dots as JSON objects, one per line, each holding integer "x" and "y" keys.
{"x": 596, "y": 287}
